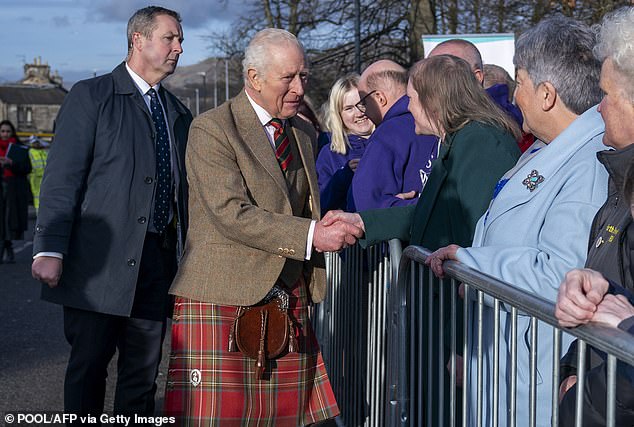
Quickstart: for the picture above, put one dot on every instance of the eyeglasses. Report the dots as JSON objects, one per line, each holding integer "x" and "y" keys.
{"x": 361, "y": 104}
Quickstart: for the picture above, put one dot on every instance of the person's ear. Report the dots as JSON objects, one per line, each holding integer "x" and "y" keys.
{"x": 255, "y": 79}
{"x": 137, "y": 40}
{"x": 479, "y": 75}
{"x": 547, "y": 93}
{"x": 380, "y": 98}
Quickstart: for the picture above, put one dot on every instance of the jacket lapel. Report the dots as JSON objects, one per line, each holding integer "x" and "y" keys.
{"x": 305, "y": 148}
{"x": 546, "y": 162}
{"x": 256, "y": 140}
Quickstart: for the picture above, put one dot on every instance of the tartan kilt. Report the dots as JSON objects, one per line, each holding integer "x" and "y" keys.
{"x": 209, "y": 386}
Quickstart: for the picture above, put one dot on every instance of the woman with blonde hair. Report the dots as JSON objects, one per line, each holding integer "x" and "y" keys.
{"x": 348, "y": 129}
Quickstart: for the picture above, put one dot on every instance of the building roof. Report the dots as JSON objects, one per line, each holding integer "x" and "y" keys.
{"x": 27, "y": 94}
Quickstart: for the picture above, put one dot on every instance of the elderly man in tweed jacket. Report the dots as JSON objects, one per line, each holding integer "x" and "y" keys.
{"x": 254, "y": 224}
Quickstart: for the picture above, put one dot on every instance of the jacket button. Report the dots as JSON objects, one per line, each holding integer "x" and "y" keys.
{"x": 286, "y": 251}
{"x": 292, "y": 251}
{"x": 141, "y": 220}
{"x": 149, "y": 180}
{"x": 131, "y": 262}
{"x": 39, "y": 228}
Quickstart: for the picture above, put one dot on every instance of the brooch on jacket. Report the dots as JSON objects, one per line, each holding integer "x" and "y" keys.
{"x": 533, "y": 180}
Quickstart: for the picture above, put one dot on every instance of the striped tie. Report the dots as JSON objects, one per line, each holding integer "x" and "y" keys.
{"x": 282, "y": 144}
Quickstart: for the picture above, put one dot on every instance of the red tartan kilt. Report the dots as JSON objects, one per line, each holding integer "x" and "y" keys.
{"x": 295, "y": 392}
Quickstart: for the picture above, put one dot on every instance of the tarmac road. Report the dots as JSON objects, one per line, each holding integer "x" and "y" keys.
{"x": 33, "y": 350}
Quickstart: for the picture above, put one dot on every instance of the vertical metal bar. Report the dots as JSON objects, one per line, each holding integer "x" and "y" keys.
{"x": 496, "y": 362}
{"x": 581, "y": 380}
{"x": 441, "y": 351}
{"x": 465, "y": 355}
{"x": 611, "y": 394}
{"x": 430, "y": 346}
{"x": 480, "y": 355}
{"x": 513, "y": 395}
{"x": 533, "y": 375}
{"x": 555, "y": 376}
{"x": 452, "y": 368}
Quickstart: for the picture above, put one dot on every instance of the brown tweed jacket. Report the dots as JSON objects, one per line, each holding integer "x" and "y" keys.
{"x": 242, "y": 230}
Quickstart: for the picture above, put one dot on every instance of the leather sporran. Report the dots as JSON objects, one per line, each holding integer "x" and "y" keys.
{"x": 263, "y": 331}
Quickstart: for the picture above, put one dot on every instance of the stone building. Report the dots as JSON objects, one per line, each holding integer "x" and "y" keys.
{"x": 33, "y": 102}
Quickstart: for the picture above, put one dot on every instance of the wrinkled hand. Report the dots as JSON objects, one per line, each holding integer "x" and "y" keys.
{"x": 566, "y": 385}
{"x": 579, "y": 294}
{"x": 335, "y": 236}
{"x": 435, "y": 260}
{"x": 47, "y": 269}
{"x": 332, "y": 217}
{"x": 353, "y": 163}
{"x": 407, "y": 196}
{"x": 613, "y": 310}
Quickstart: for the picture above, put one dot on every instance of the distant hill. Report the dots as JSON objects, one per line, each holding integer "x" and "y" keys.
{"x": 186, "y": 79}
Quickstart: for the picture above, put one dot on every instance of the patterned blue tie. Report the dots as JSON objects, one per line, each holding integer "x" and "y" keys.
{"x": 163, "y": 165}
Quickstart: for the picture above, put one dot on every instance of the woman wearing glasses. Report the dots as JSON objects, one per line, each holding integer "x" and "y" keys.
{"x": 349, "y": 129}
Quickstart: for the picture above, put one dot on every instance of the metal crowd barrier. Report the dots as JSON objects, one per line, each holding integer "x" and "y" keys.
{"x": 407, "y": 374}
{"x": 373, "y": 330}
{"x": 351, "y": 327}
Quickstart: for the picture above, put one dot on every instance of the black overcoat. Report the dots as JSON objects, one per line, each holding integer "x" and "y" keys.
{"x": 98, "y": 187}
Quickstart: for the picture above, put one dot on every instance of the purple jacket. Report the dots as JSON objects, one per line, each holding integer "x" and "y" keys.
{"x": 396, "y": 161}
{"x": 500, "y": 94}
{"x": 334, "y": 175}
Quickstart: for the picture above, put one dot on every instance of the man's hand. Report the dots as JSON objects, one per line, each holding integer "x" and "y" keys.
{"x": 353, "y": 163}
{"x": 407, "y": 196}
{"x": 335, "y": 236}
{"x": 613, "y": 310}
{"x": 332, "y": 217}
{"x": 47, "y": 269}
{"x": 579, "y": 295}
{"x": 566, "y": 385}
{"x": 435, "y": 260}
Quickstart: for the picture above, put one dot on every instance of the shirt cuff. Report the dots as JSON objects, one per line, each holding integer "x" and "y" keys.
{"x": 309, "y": 240}
{"x": 51, "y": 254}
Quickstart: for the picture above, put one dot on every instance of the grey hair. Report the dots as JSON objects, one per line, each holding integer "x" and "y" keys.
{"x": 143, "y": 21}
{"x": 616, "y": 42}
{"x": 393, "y": 82}
{"x": 257, "y": 54}
{"x": 559, "y": 50}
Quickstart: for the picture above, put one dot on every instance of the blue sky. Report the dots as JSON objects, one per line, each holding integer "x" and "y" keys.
{"x": 81, "y": 37}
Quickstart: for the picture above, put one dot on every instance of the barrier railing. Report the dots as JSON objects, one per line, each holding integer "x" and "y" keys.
{"x": 351, "y": 327}
{"x": 416, "y": 393}
{"x": 386, "y": 343}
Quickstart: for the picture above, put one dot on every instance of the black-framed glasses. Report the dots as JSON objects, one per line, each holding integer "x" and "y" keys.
{"x": 361, "y": 104}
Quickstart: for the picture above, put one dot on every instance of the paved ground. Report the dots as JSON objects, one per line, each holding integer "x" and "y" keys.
{"x": 33, "y": 351}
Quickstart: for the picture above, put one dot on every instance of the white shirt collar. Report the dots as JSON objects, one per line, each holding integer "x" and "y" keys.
{"x": 141, "y": 84}
{"x": 262, "y": 114}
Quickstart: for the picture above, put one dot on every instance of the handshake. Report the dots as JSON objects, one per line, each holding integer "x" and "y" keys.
{"x": 337, "y": 230}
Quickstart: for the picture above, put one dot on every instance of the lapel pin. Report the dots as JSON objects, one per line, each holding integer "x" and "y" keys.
{"x": 533, "y": 180}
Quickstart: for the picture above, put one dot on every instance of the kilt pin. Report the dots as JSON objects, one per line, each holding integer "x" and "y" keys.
{"x": 210, "y": 386}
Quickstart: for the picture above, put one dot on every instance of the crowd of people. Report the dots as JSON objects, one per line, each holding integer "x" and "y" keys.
{"x": 221, "y": 221}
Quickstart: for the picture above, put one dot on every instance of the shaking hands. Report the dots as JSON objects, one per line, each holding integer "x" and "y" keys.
{"x": 337, "y": 230}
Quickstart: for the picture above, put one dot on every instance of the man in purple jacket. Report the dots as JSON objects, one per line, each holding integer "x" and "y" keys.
{"x": 396, "y": 163}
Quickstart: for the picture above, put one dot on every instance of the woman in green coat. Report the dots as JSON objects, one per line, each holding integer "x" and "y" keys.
{"x": 478, "y": 145}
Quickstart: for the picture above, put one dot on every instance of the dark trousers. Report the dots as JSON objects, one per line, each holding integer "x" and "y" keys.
{"x": 94, "y": 337}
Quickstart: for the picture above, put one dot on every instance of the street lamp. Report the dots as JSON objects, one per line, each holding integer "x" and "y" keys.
{"x": 197, "y": 102}
{"x": 204, "y": 74}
